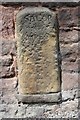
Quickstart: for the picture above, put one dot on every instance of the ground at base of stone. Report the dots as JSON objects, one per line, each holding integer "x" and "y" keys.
{"x": 68, "y": 109}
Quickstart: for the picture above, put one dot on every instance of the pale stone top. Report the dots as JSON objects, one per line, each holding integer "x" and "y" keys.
{"x": 30, "y": 10}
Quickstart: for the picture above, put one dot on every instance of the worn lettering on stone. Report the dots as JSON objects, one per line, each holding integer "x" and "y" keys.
{"x": 37, "y": 44}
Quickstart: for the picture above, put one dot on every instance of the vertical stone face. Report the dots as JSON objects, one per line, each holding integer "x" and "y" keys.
{"x": 37, "y": 50}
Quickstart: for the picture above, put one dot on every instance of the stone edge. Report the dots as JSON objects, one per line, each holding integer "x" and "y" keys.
{"x": 39, "y": 1}
{"x": 39, "y": 98}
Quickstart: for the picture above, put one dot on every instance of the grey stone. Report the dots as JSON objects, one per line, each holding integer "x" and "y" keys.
{"x": 2, "y": 114}
{"x": 10, "y": 111}
{"x": 38, "y": 98}
{"x": 21, "y": 111}
{"x": 5, "y": 61}
{"x": 8, "y": 46}
{"x": 68, "y": 109}
{"x": 69, "y": 94}
{"x": 37, "y": 111}
{"x": 3, "y": 107}
{"x": 5, "y": 72}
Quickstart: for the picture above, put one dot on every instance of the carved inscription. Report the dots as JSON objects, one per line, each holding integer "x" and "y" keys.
{"x": 37, "y": 51}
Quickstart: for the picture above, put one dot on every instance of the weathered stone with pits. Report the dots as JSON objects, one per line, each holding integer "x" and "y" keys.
{"x": 37, "y": 50}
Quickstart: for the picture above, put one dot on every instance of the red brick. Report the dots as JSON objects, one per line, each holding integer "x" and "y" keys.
{"x": 69, "y": 81}
{"x": 7, "y": 22}
{"x": 68, "y": 37}
{"x": 69, "y": 50}
{"x": 68, "y": 16}
{"x": 70, "y": 66}
{"x": 8, "y": 90}
{"x": 8, "y": 85}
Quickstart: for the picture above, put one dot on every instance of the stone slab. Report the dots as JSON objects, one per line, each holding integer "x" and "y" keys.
{"x": 37, "y": 50}
{"x": 39, "y": 98}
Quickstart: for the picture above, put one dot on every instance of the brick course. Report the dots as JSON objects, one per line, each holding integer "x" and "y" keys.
{"x": 69, "y": 46}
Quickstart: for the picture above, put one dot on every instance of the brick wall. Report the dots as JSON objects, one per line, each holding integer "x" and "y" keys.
{"x": 69, "y": 43}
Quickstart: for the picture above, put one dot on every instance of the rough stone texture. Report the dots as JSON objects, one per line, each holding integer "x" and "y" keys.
{"x": 68, "y": 17}
{"x": 8, "y": 90}
{"x": 38, "y": 98}
{"x": 69, "y": 46}
{"x": 68, "y": 34}
{"x": 8, "y": 52}
{"x": 69, "y": 81}
{"x": 8, "y": 85}
{"x": 8, "y": 47}
{"x": 7, "y": 18}
{"x": 37, "y": 45}
{"x": 6, "y": 61}
{"x": 68, "y": 37}
{"x": 65, "y": 110}
{"x": 68, "y": 50}
{"x": 6, "y": 72}
{"x": 70, "y": 94}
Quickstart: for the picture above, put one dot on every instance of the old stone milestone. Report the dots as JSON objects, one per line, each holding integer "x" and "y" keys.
{"x": 37, "y": 55}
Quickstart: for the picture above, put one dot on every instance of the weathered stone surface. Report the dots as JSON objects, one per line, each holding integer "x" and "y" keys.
{"x": 70, "y": 57}
{"x": 7, "y": 90}
{"x": 37, "y": 47}
{"x": 68, "y": 37}
{"x": 69, "y": 81}
{"x": 7, "y": 27}
{"x": 6, "y": 72}
{"x": 68, "y": 17}
{"x": 38, "y": 98}
{"x": 66, "y": 110}
{"x": 6, "y": 60}
{"x": 68, "y": 50}
{"x": 69, "y": 94}
{"x": 8, "y": 85}
{"x": 8, "y": 46}
{"x": 70, "y": 66}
